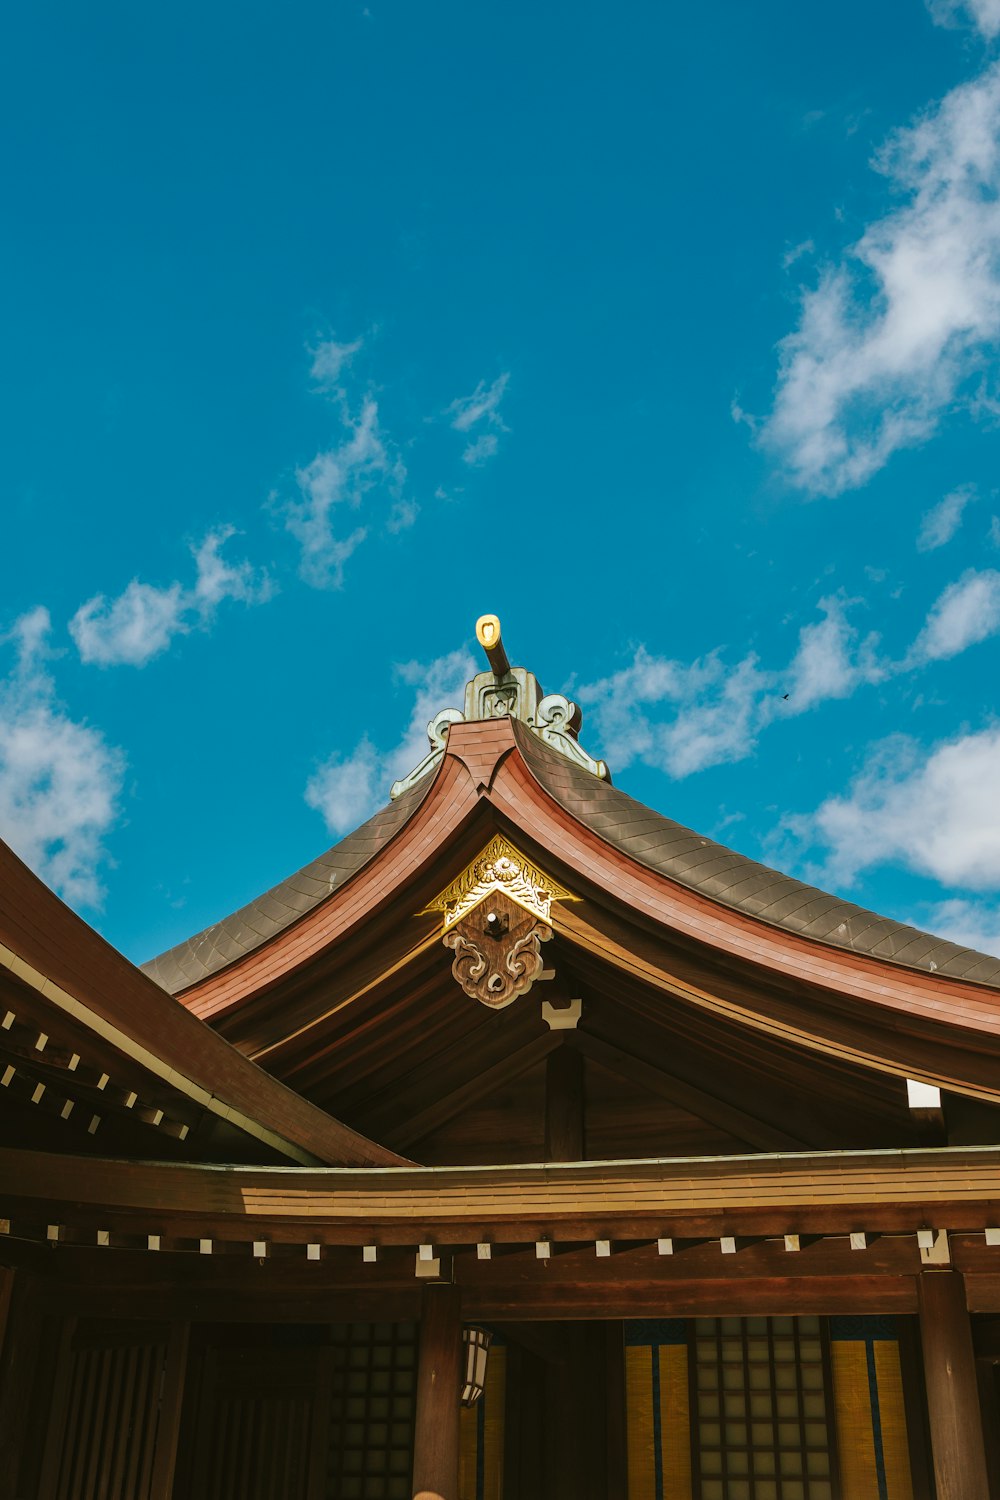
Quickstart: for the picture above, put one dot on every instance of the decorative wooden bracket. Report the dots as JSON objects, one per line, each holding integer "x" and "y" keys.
{"x": 496, "y": 917}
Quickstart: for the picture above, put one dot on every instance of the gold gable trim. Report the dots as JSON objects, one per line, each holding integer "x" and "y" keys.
{"x": 500, "y": 867}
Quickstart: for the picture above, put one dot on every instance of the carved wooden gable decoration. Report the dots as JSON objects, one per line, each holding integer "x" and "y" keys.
{"x": 496, "y": 917}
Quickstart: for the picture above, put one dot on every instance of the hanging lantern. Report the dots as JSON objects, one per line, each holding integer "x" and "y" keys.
{"x": 476, "y": 1343}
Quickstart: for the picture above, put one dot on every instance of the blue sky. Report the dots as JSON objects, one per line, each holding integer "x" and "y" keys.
{"x": 669, "y": 334}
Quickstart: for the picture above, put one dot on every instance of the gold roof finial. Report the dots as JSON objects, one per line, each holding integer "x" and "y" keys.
{"x": 506, "y": 692}
{"x": 488, "y": 636}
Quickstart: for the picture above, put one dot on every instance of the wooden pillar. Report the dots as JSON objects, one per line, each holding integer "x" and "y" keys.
{"x": 17, "y": 1374}
{"x": 564, "y": 1103}
{"x": 439, "y": 1389}
{"x": 952, "y": 1393}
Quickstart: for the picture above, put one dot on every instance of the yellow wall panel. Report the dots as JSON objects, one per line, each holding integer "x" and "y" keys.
{"x": 855, "y": 1434}
{"x": 895, "y": 1447}
{"x": 675, "y": 1422}
{"x": 639, "y": 1399}
{"x": 481, "y": 1428}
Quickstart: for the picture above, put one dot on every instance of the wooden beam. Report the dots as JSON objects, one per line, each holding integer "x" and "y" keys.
{"x": 439, "y": 1374}
{"x": 564, "y": 1104}
{"x": 715, "y": 1111}
{"x": 952, "y": 1388}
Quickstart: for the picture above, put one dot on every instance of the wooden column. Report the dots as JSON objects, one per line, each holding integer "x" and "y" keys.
{"x": 439, "y": 1389}
{"x": 952, "y": 1392}
{"x": 24, "y": 1337}
{"x": 564, "y": 1103}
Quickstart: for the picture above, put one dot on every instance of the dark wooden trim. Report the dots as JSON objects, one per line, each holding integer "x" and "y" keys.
{"x": 171, "y": 1406}
{"x": 918, "y": 1434}
{"x": 617, "y": 1409}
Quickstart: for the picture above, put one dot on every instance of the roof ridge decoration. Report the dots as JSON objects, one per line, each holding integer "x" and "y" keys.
{"x": 498, "y": 958}
{"x": 506, "y": 692}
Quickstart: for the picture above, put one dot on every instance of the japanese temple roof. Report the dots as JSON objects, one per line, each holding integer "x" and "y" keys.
{"x": 648, "y": 837}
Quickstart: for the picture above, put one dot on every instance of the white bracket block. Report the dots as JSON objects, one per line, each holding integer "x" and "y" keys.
{"x": 665, "y": 1247}
{"x": 369, "y": 1254}
{"x": 484, "y": 1250}
{"x": 934, "y": 1247}
{"x": 204, "y": 1247}
{"x": 792, "y": 1242}
{"x": 152, "y": 1242}
{"x": 727, "y": 1244}
{"x": 603, "y": 1248}
{"x": 312, "y": 1251}
{"x": 562, "y": 1017}
{"x": 993, "y": 1236}
{"x": 261, "y": 1249}
{"x": 104, "y": 1238}
{"x": 426, "y": 1252}
{"x": 543, "y": 1249}
{"x": 859, "y": 1241}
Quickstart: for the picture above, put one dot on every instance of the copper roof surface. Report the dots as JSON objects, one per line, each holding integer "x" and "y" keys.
{"x": 648, "y": 837}
{"x": 738, "y": 882}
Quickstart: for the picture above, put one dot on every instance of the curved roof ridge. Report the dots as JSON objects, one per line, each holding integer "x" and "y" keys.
{"x": 233, "y": 937}
{"x": 743, "y": 884}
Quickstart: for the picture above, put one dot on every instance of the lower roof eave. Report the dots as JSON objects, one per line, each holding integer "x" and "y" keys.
{"x": 825, "y": 1193}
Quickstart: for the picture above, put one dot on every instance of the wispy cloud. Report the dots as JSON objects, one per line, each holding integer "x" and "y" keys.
{"x": 934, "y": 811}
{"x": 685, "y": 717}
{"x": 972, "y": 924}
{"x": 480, "y": 410}
{"x": 967, "y": 612}
{"x": 330, "y": 360}
{"x": 334, "y": 483}
{"x": 141, "y": 623}
{"x": 983, "y": 14}
{"x": 348, "y": 789}
{"x": 59, "y": 779}
{"x": 890, "y": 338}
{"x": 941, "y": 522}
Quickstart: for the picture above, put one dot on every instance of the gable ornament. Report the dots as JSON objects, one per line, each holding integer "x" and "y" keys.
{"x": 506, "y": 692}
{"x": 496, "y": 917}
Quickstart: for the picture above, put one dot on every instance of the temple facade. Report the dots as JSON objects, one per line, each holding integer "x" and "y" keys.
{"x": 526, "y": 1145}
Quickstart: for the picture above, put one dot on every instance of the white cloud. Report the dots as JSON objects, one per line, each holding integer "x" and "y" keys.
{"x": 940, "y": 523}
{"x": 971, "y": 924}
{"x": 984, "y": 14}
{"x": 348, "y": 789}
{"x": 483, "y": 406}
{"x": 59, "y": 779}
{"x": 684, "y": 717}
{"x": 338, "y": 479}
{"x": 480, "y": 449}
{"x": 936, "y": 812}
{"x": 967, "y": 612}
{"x": 831, "y": 660}
{"x": 887, "y": 341}
{"x": 141, "y": 622}
{"x": 330, "y": 360}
